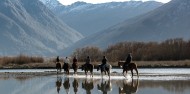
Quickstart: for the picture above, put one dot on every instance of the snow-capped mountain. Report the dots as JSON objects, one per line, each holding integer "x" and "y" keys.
{"x": 53, "y": 5}
{"x": 90, "y": 18}
{"x": 168, "y": 21}
{"x": 29, "y": 27}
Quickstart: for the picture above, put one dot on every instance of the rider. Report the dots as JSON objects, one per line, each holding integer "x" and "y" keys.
{"x": 66, "y": 62}
{"x": 88, "y": 60}
{"x": 75, "y": 60}
{"x": 128, "y": 60}
{"x": 104, "y": 62}
{"x": 57, "y": 60}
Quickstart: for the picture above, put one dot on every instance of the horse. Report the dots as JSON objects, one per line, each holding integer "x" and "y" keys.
{"x": 58, "y": 67}
{"x": 66, "y": 68}
{"x": 88, "y": 67}
{"x": 129, "y": 88}
{"x": 66, "y": 85}
{"x": 58, "y": 83}
{"x": 107, "y": 69}
{"x": 75, "y": 85}
{"x": 75, "y": 67}
{"x": 130, "y": 67}
{"x": 88, "y": 85}
{"x": 105, "y": 87}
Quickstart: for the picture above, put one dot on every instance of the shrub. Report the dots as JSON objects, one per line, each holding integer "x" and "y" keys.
{"x": 21, "y": 59}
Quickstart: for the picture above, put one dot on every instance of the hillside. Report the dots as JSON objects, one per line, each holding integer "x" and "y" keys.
{"x": 29, "y": 27}
{"x": 168, "y": 21}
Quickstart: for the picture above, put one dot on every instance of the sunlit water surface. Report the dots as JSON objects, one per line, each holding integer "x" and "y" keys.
{"x": 151, "y": 81}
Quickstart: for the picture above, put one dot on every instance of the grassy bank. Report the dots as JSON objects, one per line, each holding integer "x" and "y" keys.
{"x": 140, "y": 64}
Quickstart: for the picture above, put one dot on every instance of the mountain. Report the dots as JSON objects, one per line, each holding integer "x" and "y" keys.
{"x": 90, "y": 18}
{"x": 53, "y": 5}
{"x": 29, "y": 27}
{"x": 168, "y": 21}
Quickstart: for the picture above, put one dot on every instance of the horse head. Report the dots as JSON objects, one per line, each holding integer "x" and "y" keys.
{"x": 120, "y": 63}
{"x": 98, "y": 67}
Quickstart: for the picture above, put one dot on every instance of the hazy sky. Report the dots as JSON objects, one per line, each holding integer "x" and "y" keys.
{"x": 68, "y": 2}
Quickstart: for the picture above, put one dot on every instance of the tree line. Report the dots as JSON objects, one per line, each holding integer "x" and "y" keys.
{"x": 171, "y": 49}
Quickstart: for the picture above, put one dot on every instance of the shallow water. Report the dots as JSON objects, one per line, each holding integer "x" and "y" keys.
{"x": 151, "y": 81}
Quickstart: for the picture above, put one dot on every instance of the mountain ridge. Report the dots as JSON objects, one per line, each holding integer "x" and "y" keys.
{"x": 166, "y": 22}
{"x": 81, "y": 15}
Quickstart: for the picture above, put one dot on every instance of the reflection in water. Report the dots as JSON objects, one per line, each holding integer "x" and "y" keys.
{"x": 58, "y": 83}
{"x": 88, "y": 85}
{"x": 129, "y": 87}
{"x": 75, "y": 85}
{"x": 66, "y": 85}
{"x": 105, "y": 86}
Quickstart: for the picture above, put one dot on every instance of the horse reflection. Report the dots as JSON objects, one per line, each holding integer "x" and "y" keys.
{"x": 58, "y": 83}
{"x": 75, "y": 85}
{"x": 88, "y": 85}
{"x": 105, "y": 86}
{"x": 129, "y": 88}
{"x": 66, "y": 85}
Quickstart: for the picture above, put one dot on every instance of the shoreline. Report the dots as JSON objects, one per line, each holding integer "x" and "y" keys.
{"x": 113, "y": 67}
{"x": 140, "y": 64}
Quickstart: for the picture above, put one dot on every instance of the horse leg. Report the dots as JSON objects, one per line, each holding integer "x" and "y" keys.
{"x": 101, "y": 73}
{"x": 108, "y": 71}
{"x": 75, "y": 71}
{"x": 105, "y": 72}
{"x": 132, "y": 73}
{"x": 137, "y": 72}
{"x": 92, "y": 72}
{"x": 86, "y": 73}
{"x": 123, "y": 72}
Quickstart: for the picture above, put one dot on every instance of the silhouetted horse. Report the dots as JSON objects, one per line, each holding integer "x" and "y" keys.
{"x": 58, "y": 83}
{"x": 66, "y": 68}
{"x": 75, "y": 67}
{"x": 130, "y": 67}
{"x": 88, "y": 85}
{"x": 129, "y": 88}
{"x": 88, "y": 67}
{"x": 105, "y": 87}
{"x": 58, "y": 67}
{"x": 75, "y": 85}
{"x": 107, "y": 69}
{"x": 66, "y": 85}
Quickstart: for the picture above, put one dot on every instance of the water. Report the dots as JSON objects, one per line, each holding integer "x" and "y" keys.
{"x": 151, "y": 81}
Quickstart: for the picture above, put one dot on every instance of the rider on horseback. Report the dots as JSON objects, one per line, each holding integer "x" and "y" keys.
{"x": 88, "y": 60}
{"x": 128, "y": 60}
{"x": 66, "y": 62}
{"x": 75, "y": 60}
{"x": 104, "y": 62}
{"x": 57, "y": 60}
